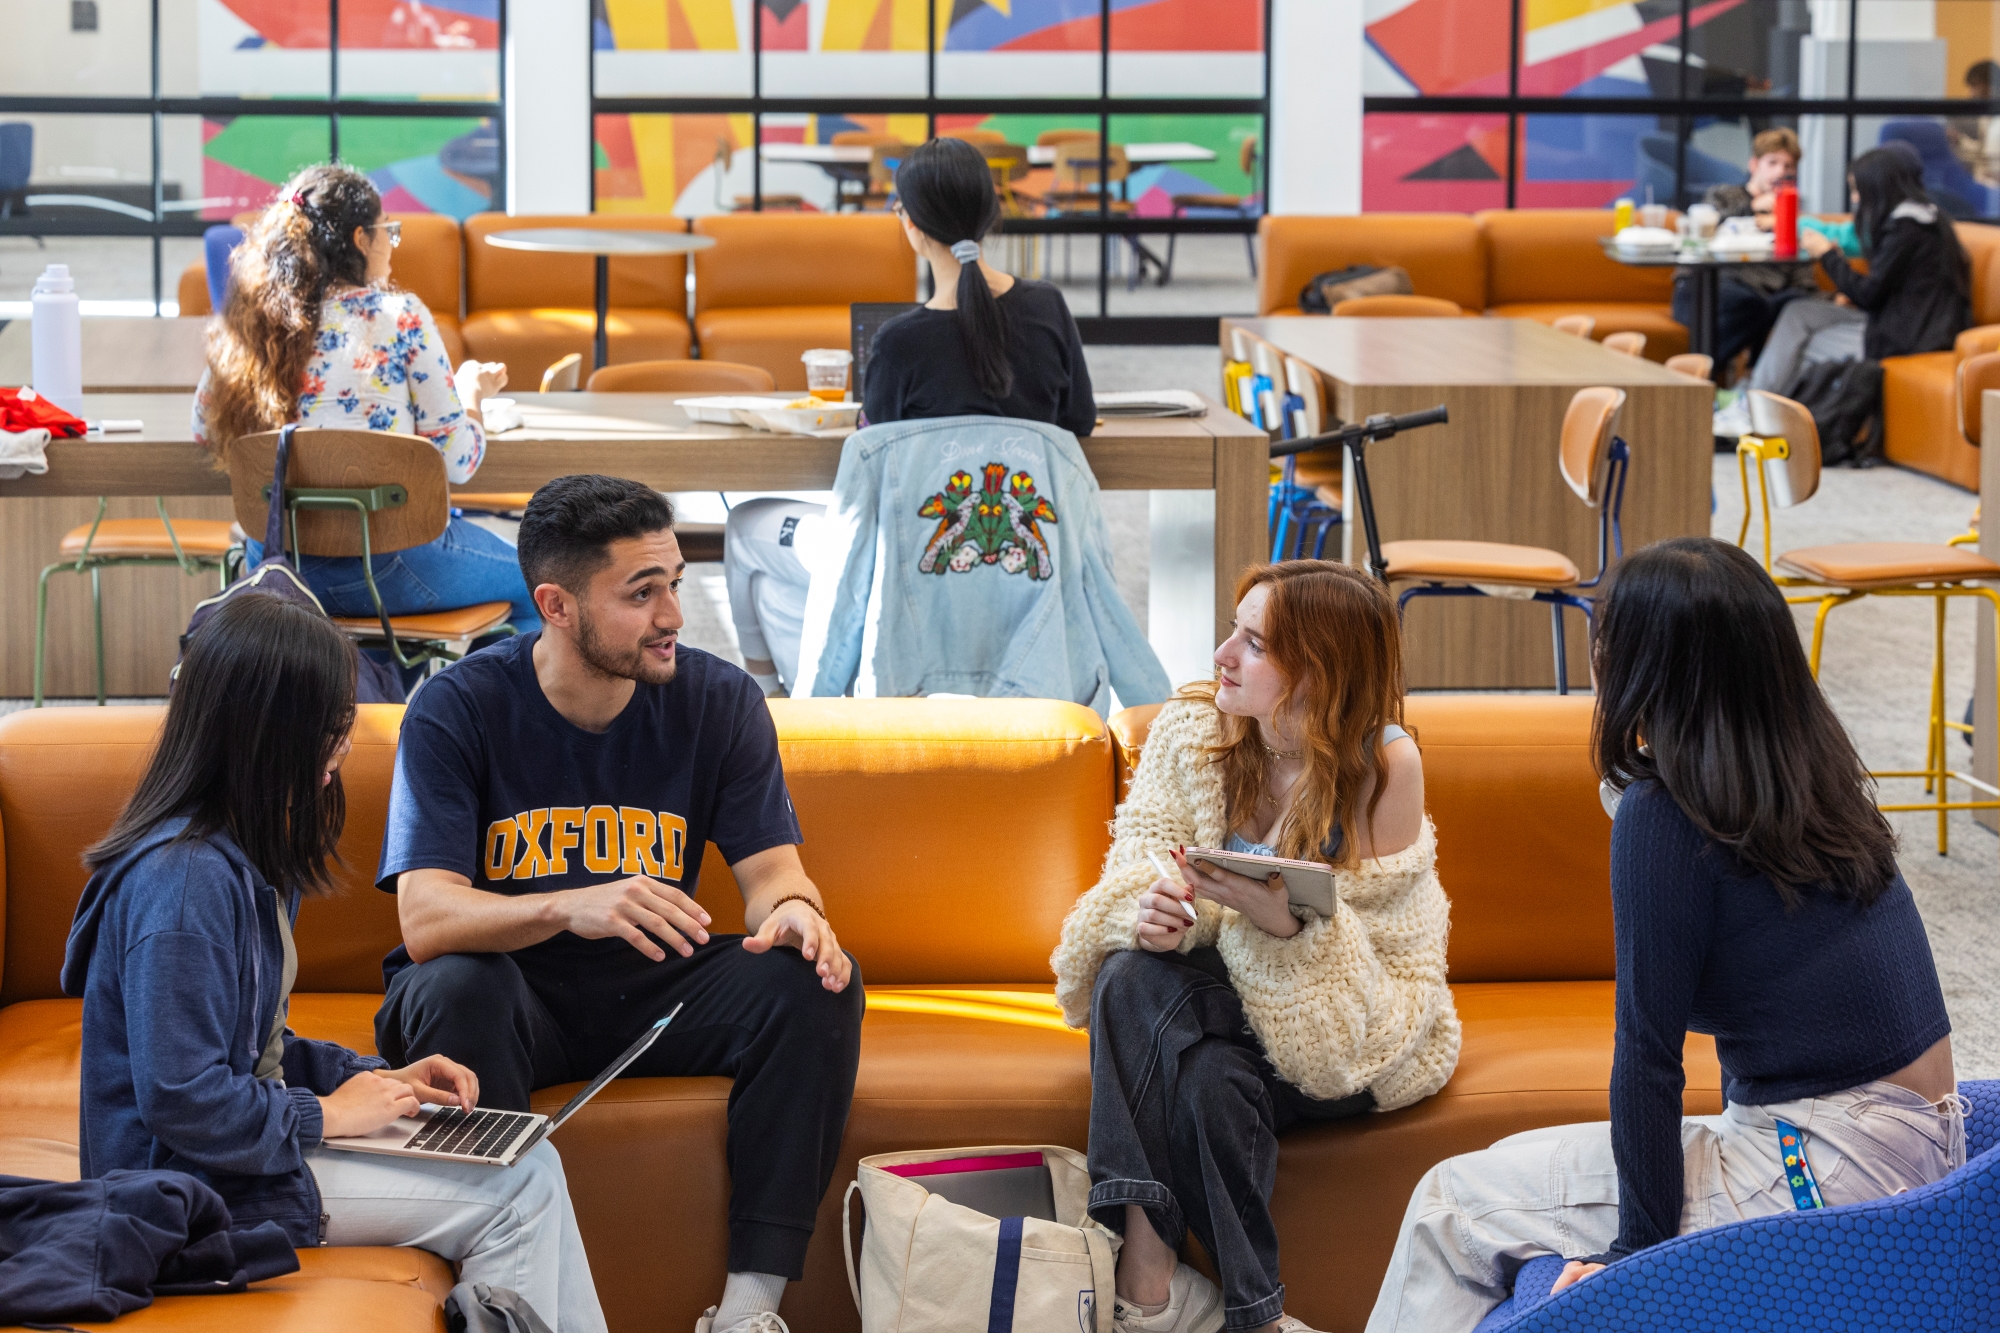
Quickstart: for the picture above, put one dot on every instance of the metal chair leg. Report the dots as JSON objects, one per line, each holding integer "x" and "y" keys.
{"x": 42, "y": 625}
{"x": 1562, "y": 654}
{"x": 97, "y": 621}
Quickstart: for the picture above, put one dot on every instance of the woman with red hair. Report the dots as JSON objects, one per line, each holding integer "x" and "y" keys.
{"x": 1220, "y": 1013}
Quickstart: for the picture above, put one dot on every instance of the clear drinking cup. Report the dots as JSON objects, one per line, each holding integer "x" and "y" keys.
{"x": 826, "y": 373}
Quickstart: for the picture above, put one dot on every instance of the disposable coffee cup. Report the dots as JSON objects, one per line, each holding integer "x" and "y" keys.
{"x": 826, "y": 373}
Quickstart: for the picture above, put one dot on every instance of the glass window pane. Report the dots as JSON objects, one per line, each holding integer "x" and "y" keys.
{"x": 1435, "y": 48}
{"x": 102, "y": 51}
{"x": 1422, "y": 162}
{"x": 1048, "y": 49}
{"x": 1970, "y": 30}
{"x": 244, "y": 159}
{"x": 94, "y": 170}
{"x": 1765, "y": 48}
{"x": 245, "y": 48}
{"x": 114, "y": 274}
{"x": 686, "y": 48}
{"x": 872, "y": 48}
{"x": 687, "y": 165}
{"x": 1187, "y": 48}
{"x": 439, "y": 48}
{"x": 1599, "y": 50}
{"x": 1588, "y": 161}
{"x": 427, "y": 164}
{"x": 828, "y": 161}
{"x": 1168, "y": 274}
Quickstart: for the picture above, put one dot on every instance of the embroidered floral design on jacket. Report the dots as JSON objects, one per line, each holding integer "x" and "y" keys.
{"x": 998, "y": 524}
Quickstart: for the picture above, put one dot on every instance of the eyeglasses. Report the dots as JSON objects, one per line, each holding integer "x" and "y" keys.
{"x": 395, "y": 230}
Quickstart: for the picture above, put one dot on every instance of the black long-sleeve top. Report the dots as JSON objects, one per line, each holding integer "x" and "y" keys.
{"x": 1916, "y": 293}
{"x": 1801, "y": 1003}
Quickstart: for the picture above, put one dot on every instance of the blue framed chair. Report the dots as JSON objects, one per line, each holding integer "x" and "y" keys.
{"x": 1593, "y": 462}
{"x": 1305, "y": 503}
{"x": 1925, "y": 1260}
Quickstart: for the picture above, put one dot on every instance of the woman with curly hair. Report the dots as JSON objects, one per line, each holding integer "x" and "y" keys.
{"x": 313, "y": 331}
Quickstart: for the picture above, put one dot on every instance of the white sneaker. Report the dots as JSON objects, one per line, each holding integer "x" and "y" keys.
{"x": 1732, "y": 419}
{"x": 1193, "y": 1306}
{"x": 1287, "y": 1324}
{"x": 766, "y": 1322}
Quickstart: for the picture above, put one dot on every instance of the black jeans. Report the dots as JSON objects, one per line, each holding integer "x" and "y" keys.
{"x": 761, "y": 1019}
{"x": 1743, "y": 315}
{"x": 1185, "y": 1113}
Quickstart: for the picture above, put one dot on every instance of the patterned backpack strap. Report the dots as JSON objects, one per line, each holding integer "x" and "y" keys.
{"x": 1798, "y": 1171}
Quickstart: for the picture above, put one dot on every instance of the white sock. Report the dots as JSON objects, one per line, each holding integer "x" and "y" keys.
{"x": 769, "y": 683}
{"x": 745, "y": 1295}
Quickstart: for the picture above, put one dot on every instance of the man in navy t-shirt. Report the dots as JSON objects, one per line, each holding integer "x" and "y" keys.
{"x": 552, "y": 801}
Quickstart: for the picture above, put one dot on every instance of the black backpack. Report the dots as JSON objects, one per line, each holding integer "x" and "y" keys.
{"x": 1845, "y": 399}
{"x": 375, "y": 682}
{"x": 1329, "y": 289}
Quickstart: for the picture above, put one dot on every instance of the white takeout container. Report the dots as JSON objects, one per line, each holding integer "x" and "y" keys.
{"x": 1646, "y": 240}
{"x": 724, "y": 409}
{"x": 803, "y": 420}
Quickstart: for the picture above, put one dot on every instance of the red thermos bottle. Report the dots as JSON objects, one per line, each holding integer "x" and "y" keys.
{"x": 1785, "y": 223}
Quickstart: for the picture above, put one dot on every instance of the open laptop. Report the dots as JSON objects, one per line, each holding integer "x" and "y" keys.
{"x": 863, "y": 319}
{"x": 496, "y": 1138}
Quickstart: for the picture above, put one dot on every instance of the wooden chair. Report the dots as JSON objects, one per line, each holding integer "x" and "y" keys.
{"x": 192, "y": 545}
{"x": 1593, "y": 461}
{"x": 1628, "y": 344}
{"x": 1580, "y": 325}
{"x": 1699, "y": 365}
{"x": 1784, "y": 445}
{"x": 880, "y": 187}
{"x": 869, "y": 179}
{"x": 562, "y": 376}
{"x": 1398, "y": 307}
{"x": 1056, "y": 138}
{"x": 1085, "y": 176}
{"x": 1976, "y": 374}
{"x": 682, "y": 377}
{"x": 1243, "y": 205}
{"x": 363, "y": 493}
{"x": 976, "y": 137}
{"x": 1306, "y": 492}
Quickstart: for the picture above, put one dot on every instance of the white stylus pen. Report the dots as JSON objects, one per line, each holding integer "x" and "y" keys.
{"x": 1165, "y": 873}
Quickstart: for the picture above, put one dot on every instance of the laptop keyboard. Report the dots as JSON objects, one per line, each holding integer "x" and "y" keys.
{"x": 480, "y": 1134}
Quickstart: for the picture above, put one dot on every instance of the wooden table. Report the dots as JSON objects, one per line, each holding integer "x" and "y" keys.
{"x": 1208, "y": 476}
{"x": 1490, "y": 475}
{"x": 119, "y": 355}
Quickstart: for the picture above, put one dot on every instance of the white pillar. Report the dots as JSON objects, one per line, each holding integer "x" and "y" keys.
{"x": 1315, "y": 129}
{"x": 548, "y": 107}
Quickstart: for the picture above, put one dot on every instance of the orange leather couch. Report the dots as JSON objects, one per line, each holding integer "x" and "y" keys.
{"x": 949, "y": 838}
{"x": 1920, "y": 393}
{"x": 429, "y": 262}
{"x": 776, "y": 284}
{"x": 530, "y": 310}
{"x": 1536, "y": 264}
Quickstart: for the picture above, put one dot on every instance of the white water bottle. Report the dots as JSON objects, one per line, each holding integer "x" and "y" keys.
{"x": 58, "y": 339}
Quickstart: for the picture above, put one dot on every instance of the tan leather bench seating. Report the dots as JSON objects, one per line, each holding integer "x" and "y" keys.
{"x": 950, "y": 838}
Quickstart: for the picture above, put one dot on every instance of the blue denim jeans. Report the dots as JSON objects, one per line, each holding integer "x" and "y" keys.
{"x": 1185, "y": 1113}
{"x": 465, "y": 566}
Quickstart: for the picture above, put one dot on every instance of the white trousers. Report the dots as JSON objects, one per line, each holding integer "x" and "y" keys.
{"x": 768, "y": 579}
{"x": 1474, "y": 1220}
{"x": 506, "y": 1226}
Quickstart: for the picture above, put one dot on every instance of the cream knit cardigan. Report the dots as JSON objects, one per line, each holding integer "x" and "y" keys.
{"x": 1358, "y": 1001}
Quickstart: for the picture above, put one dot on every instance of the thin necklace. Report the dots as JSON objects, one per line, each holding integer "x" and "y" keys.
{"x": 1278, "y": 754}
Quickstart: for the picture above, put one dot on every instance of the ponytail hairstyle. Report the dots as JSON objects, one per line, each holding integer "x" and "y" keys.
{"x": 946, "y": 190}
{"x": 297, "y": 249}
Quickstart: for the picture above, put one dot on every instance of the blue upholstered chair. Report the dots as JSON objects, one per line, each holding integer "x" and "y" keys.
{"x": 1945, "y": 177}
{"x": 217, "y": 244}
{"x": 1927, "y": 1260}
{"x": 17, "y": 160}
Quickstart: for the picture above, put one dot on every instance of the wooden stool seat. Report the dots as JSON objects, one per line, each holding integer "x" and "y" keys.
{"x": 1886, "y": 564}
{"x": 146, "y": 538}
{"x": 1208, "y": 201}
{"x": 464, "y": 622}
{"x": 499, "y": 502}
{"x": 1481, "y": 562}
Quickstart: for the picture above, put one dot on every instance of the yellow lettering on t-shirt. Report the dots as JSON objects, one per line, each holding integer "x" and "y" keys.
{"x": 533, "y": 860}
{"x": 640, "y": 831}
{"x": 499, "y": 848}
{"x": 673, "y": 844}
{"x": 567, "y": 821}
{"x": 600, "y": 840}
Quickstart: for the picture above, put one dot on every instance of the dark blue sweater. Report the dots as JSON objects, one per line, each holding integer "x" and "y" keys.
{"x": 176, "y": 953}
{"x": 1800, "y": 1003}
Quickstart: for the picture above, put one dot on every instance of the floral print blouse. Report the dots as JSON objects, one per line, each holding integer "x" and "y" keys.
{"x": 380, "y": 365}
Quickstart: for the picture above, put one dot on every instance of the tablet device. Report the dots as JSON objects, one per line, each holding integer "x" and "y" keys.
{"x": 1005, "y": 1185}
{"x": 1307, "y": 883}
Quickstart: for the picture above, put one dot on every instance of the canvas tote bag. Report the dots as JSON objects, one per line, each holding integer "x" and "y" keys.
{"x": 929, "y": 1265}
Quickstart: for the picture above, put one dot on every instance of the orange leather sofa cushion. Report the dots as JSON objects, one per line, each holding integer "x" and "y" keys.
{"x": 1440, "y": 251}
{"x": 1920, "y": 392}
{"x": 950, "y": 838}
{"x": 530, "y": 310}
{"x": 776, "y": 284}
{"x": 1543, "y": 263}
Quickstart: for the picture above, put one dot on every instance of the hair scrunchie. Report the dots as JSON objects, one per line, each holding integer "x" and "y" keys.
{"x": 966, "y": 252}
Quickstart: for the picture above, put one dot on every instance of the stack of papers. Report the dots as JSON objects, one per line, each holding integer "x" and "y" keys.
{"x": 1151, "y": 403}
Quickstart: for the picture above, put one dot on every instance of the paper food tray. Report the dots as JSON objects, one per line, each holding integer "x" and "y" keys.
{"x": 801, "y": 420}
{"x": 722, "y": 410}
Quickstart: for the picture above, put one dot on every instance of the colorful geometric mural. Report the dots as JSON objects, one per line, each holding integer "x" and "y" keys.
{"x": 900, "y": 25}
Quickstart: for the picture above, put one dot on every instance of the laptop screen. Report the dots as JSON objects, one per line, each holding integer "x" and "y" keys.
{"x": 613, "y": 1070}
{"x": 864, "y": 319}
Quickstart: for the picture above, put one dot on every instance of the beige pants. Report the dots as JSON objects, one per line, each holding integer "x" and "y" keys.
{"x": 1474, "y": 1220}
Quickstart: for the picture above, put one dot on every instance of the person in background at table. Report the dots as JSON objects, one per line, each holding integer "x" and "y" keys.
{"x": 1221, "y": 1015}
{"x": 1754, "y": 897}
{"x": 1971, "y": 136}
{"x": 182, "y": 953}
{"x": 988, "y": 344}
{"x": 1915, "y": 297}
{"x": 314, "y": 332}
{"x": 1748, "y": 298}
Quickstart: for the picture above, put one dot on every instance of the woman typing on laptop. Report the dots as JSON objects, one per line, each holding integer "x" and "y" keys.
{"x": 182, "y": 952}
{"x": 1221, "y": 1010}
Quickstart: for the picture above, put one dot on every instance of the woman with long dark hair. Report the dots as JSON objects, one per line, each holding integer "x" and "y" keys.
{"x": 1755, "y": 897}
{"x": 1221, "y": 1015}
{"x": 1915, "y": 297}
{"x": 314, "y": 331}
{"x": 987, "y": 344}
{"x": 182, "y": 953}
